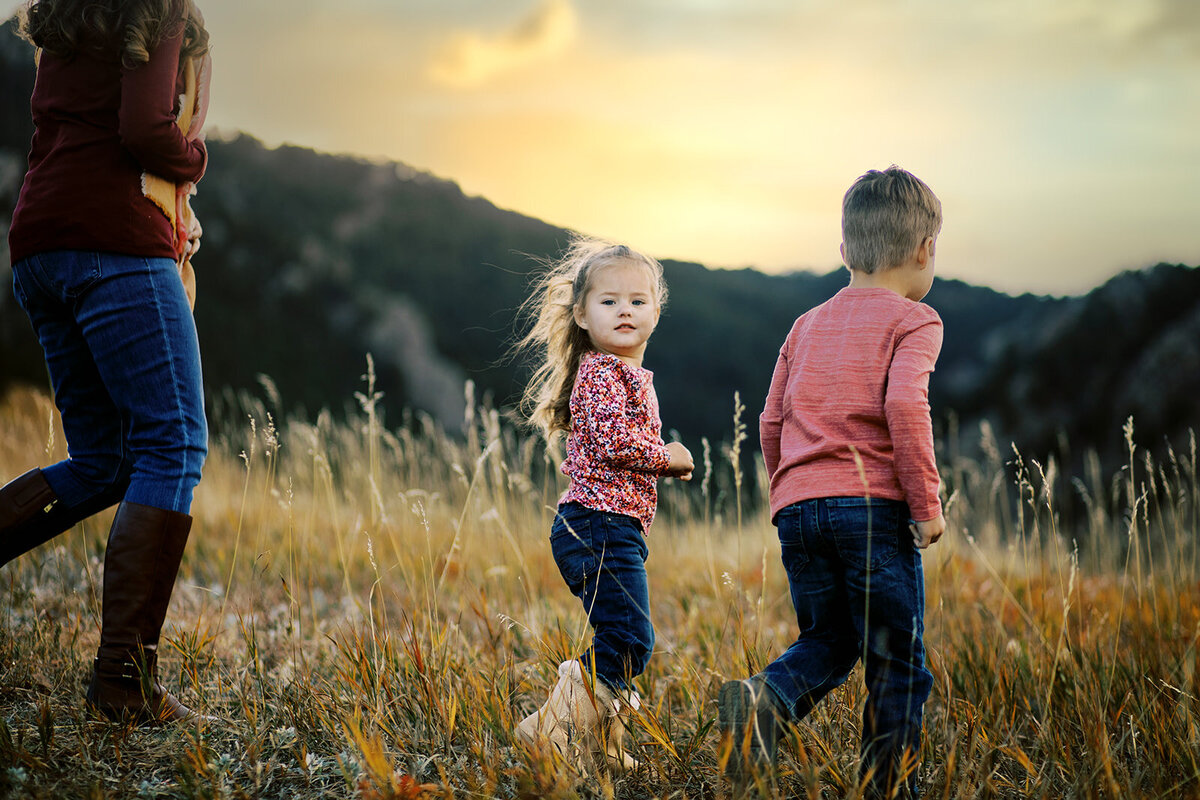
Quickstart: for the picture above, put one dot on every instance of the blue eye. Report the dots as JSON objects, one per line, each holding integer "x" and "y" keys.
{"x": 639, "y": 302}
{"x": 608, "y": 302}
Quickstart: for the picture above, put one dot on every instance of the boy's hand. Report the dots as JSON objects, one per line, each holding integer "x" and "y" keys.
{"x": 681, "y": 465}
{"x": 928, "y": 532}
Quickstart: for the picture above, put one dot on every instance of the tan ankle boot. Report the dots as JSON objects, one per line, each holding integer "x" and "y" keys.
{"x": 567, "y": 716}
{"x": 620, "y": 708}
{"x": 582, "y": 721}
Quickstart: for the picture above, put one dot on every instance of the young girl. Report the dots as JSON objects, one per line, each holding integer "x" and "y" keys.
{"x": 594, "y": 313}
{"x": 98, "y": 238}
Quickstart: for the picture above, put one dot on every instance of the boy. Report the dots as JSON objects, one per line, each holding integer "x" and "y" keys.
{"x": 848, "y": 443}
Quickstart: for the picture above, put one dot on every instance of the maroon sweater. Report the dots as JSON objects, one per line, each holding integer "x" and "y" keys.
{"x": 98, "y": 127}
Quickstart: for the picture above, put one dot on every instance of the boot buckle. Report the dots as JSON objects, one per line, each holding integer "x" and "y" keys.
{"x": 129, "y": 669}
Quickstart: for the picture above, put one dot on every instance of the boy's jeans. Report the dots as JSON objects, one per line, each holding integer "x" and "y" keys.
{"x": 859, "y": 592}
{"x": 602, "y": 557}
{"x": 124, "y": 361}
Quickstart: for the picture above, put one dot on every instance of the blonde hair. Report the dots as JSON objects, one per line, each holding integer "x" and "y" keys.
{"x": 554, "y": 337}
{"x": 132, "y": 27}
{"x": 885, "y": 218}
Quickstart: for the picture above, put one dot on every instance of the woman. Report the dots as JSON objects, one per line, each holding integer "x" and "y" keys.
{"x": 97, "y": 253}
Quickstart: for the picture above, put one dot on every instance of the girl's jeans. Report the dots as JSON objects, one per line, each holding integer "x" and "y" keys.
{"x": 602, "y": 557}
{"x": 859, "y": 592}
{"x": 124, "y": 362}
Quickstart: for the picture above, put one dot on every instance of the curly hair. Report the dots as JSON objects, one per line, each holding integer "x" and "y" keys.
{"x": 131, "y": 27}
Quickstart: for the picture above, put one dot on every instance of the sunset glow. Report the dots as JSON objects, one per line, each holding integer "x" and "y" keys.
{"x": 1060, "y": 136}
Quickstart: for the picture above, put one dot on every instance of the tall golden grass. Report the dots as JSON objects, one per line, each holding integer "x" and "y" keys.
{"x": 370, "y": 605}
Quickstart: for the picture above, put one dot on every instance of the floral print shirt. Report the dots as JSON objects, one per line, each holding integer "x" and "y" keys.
{"x": 615, "y": 451}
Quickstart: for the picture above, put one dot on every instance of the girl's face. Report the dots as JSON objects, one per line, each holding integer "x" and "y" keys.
{"x": 620, "y": 310}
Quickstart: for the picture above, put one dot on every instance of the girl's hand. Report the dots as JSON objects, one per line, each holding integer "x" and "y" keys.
{"x": 195, "y": 231}
{"x": 681, "y": 464}
{"x": 183, "y": 208}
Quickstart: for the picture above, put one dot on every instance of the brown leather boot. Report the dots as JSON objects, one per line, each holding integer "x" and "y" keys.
{"x": 129, "y": 691}
{"x": 25, "y": 503}
{"x": 141, "y": 562}
{"x": 23, "y": 498}
{"x": 31, "y": 514}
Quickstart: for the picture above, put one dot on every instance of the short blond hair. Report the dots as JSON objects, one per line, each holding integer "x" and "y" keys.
{"x": 886, "y": 215}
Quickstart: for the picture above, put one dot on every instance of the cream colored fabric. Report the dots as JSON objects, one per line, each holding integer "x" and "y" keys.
{"x": 174, "y": 200}
{"x": 584, "y": 724}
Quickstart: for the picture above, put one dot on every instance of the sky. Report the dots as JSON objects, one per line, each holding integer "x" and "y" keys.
{"x": 1060, "y": 135}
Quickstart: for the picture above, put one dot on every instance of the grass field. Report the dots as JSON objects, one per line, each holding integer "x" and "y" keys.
{"x": 371, "y": 607}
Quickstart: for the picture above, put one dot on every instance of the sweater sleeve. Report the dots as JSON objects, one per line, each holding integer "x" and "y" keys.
{"x": 147, "y": 117}
{"x": 770, "y": 422}
{"x": 906, "y": 406}
{"x": 602, "y": 416}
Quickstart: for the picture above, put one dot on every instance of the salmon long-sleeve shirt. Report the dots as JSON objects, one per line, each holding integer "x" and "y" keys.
{"x": 615, "y": 451}
{"x": 853, "y": 378}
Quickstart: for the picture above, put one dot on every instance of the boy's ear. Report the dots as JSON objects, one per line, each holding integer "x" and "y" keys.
{"x": 842, "y": 250}
{"x": 925, "y": 252}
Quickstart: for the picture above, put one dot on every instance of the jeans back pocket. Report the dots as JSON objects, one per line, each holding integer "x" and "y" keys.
{"x": 67, "y": 273}
{"x": 867, "y": 532}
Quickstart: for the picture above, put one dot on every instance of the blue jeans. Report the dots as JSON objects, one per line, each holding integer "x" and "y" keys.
{"x": 859, "y": 592}
{"x": 124, "y": 362}
{"x": 602, "y": 557}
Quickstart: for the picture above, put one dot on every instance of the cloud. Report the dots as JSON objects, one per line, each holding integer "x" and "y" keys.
{"x": 471, "y": 59}
{"x": 1176, "y": 21}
